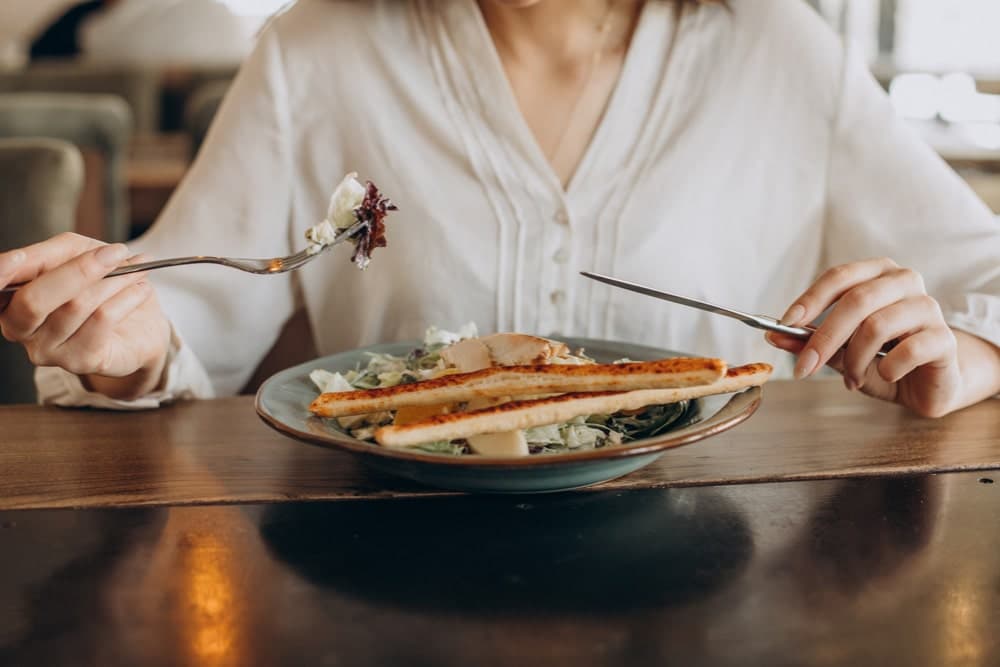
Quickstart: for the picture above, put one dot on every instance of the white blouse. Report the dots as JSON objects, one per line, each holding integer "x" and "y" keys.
{"x": 741, "y": 153}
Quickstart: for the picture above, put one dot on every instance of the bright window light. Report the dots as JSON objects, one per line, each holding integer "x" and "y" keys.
{"x": 257, "y": 8}
{"x": 916, "y": 96}
{"x": 948, "y": 35}
{"x": 952, "y": 98}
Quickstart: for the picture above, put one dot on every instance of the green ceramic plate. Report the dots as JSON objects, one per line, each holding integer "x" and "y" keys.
{"x": 283, "y": 403}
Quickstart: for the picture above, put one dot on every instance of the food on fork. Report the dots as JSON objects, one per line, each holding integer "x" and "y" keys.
{"x": 513, "y": 394}
{"x": 350, "y": 204}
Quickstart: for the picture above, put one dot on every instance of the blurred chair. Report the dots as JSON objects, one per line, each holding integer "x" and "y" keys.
{"x": 200, "y": 111}
{"x": 178, "y": 87}
{"x": 139, "y": 87}
{"x": 40, "y": 183}
{"x": 101, "y": 126}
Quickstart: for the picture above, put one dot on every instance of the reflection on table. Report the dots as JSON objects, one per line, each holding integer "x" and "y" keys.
{"x": 877, "y": 571}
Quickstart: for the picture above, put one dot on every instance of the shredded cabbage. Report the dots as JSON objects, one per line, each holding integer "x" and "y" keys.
{"x": 435, "y": 336}
{"x": 444, "y": 447}
{"x": 328, "y": 382}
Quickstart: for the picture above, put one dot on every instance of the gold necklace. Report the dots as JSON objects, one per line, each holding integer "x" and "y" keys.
{"x": 595, "y": 60}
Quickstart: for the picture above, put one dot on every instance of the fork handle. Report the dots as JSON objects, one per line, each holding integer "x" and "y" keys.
{"x": 136, "y": 268}
{"x": 163, "y": 264}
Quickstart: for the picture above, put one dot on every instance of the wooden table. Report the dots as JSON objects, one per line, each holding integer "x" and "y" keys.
{"x": 195, "y": 544}
{"x": 220, "y": 452}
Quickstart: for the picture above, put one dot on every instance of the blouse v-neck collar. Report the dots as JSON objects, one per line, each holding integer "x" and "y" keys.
{"x": 477, "y": 63}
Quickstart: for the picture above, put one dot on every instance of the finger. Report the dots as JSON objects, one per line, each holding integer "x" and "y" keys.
{"x": 11, "y": 260}
{"x": 87, "y": 351}
{"x": 785, "y": 342}
{"x": 893, "y": 322}
{"x": 851, "y": 310}
{"x": 69, "y": 317}
{"x": 934, "y": 346}
{"x": 9, "y": 263}
{"x": 26, "y": 264}
{"x": 830, "y": 286}
{"x": 34, "y": 302}
{"x": 65, "y": 320}
{"x": 836, "y": 362}
{"x": 795, "y": 345}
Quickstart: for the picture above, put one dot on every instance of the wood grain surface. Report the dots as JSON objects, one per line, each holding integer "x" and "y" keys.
{"x": 879, "y": 571}
{"x": 220, "y": 452}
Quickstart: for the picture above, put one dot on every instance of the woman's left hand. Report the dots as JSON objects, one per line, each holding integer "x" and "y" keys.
{"x": 876, "y": 302}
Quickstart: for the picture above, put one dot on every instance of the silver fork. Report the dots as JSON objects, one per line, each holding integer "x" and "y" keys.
{"x": 270, "y": 266}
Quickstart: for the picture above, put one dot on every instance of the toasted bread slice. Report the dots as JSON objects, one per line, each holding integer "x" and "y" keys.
{"x": 558, "y": 409}
{"x": 524, "y": 380}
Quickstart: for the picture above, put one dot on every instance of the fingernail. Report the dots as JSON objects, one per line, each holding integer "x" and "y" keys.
{"x": 794, "y": 315}
{"x": 850, "y": 383}
{"x": 807, "y": 363}
{"x": 112, "y": 255}
{"x": 11, "y": 261}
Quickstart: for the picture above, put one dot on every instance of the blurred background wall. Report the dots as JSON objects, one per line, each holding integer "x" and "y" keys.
{"x": 128, "y": 88}
{"x": 167, "y": 64}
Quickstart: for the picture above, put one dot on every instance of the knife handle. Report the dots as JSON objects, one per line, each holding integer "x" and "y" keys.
{"x": 807, "y": 331}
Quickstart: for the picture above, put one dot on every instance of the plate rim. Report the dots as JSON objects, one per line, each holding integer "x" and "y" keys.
{"x": 753, "y": 395}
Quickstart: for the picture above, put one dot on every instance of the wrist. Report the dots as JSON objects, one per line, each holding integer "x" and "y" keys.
{"x": 979, "y": 369}
{"x": 145, "y": 380}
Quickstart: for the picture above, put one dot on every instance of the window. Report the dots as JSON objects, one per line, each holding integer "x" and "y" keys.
{"x": 255, "y": 8}
{"x": 947, "y": 35}
{"x": 921, "y": 35}
{"x": 939, "y": 59}
{"x": 255, "y": 13}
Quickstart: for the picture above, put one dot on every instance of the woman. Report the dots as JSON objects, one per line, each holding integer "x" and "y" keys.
{"x": 726, "y": 152}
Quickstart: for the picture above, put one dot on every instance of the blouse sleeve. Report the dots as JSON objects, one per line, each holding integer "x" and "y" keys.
{"x": 889, "y": 194}
{"x": 235, "y": 201}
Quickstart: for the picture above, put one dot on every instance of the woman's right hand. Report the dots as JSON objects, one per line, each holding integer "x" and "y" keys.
{"x": 109, "y": 331}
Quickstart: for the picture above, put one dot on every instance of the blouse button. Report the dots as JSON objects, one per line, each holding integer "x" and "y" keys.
{"x": 557, "y": 297}
{"x": 561, "y": 256}
{"x": 561, "y": 217}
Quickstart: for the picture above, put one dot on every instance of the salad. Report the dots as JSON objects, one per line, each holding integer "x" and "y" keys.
{"x": 426, "y": 362}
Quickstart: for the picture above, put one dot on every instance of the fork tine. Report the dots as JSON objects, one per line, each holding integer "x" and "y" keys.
{"x": 299, "y": 258}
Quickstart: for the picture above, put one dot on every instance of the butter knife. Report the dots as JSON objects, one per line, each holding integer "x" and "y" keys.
{"x": 757, "y": 321}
